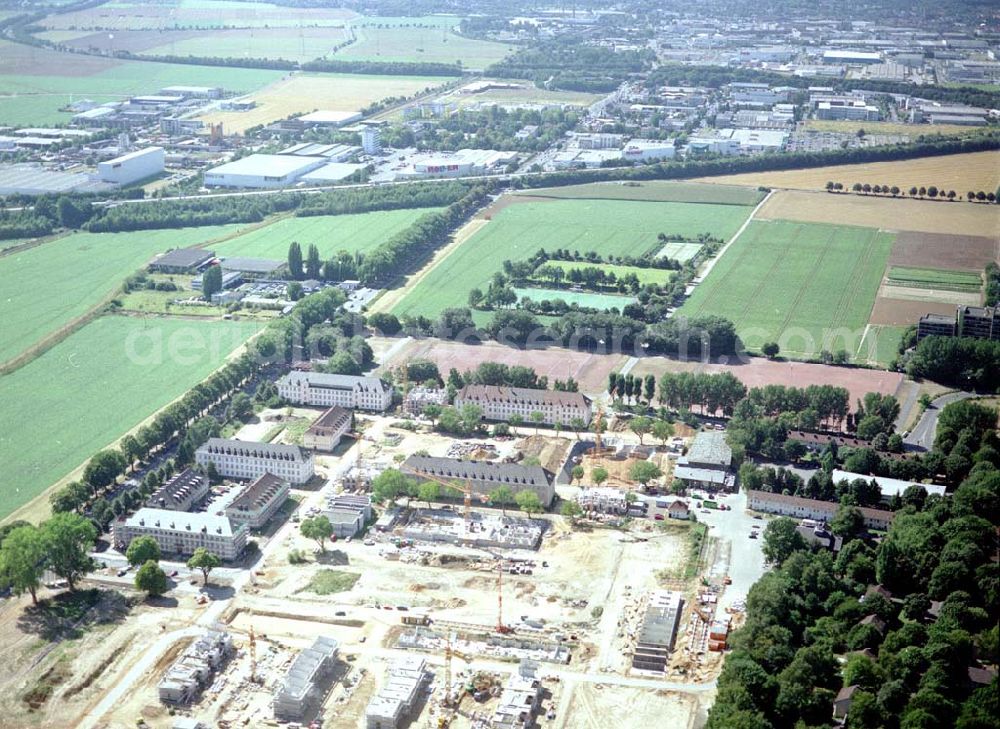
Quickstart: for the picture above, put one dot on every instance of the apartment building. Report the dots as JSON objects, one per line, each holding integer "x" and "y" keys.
{"x": 179, "y": 532}
{"x": 302, "y": 686}
{"x": 799, "y": 507}
{"x": 259, "y": 501}
{"x": 500, "y": 403}
{"x": 399, "y": 693}
{"x": 182, "y": 491}
{"x": 484, "y": 476}
{"x": 326, "y": 390}
{"x": 977, "y": 322}
{"x": 249, "y": 459}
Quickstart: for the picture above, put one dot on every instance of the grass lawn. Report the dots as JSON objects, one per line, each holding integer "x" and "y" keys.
{"x": 655, "y": 191}
{"x": 93, "y": 387}
{"x": 331, "y": 234}
{"x": 428, "y": 40}
{"x": 645, "y": 275}
{"x": 881, "y": 344}
{"x": 582, "y": 298}
{"x": 328, "y": 582}
{"x": 935, "y": 279}
{"x": 518, "y": 230}
{"x": 807, "y": 286}
{"x": 77, "y": 271}
{"x": 35, "y": 83}
{"x": 680, "y": 251}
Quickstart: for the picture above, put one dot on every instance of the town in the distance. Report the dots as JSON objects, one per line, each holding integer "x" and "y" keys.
{"x": 381, "y": 365}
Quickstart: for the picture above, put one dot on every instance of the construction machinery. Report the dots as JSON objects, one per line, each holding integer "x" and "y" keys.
{"x": 465, "y": 489}
{"x": 599, "y": 427}
{"x": 451, "y": 701}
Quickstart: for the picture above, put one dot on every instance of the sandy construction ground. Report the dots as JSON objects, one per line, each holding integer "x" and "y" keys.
{"x": 958, "y": 218}
{"x": 961, "y": 172}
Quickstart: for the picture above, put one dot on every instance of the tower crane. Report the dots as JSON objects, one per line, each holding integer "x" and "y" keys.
{"x": 465, "y": 489}
{"x": 449, "y": 653}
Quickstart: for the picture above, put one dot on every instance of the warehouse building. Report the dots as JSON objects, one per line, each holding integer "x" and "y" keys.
{"x": 179, "y": 532}
{"x": 644, "y": 150}
{"x": 180, "y": 492}
{"x": 30, "y": 179}
{"x": 329, "y": 118}
{"x": 707, "y": 463}
{"x": 182, "y": 260}
{"x": 249, "y": 459}
{"x": 329, "y": 428}
{"x": 132, "y": 167}
{"x": 500, "y": 403}
{"x": 483, "y": 476}
{"x": 799, "y": 507}
{"x": 888, "y": 487}
{"x": 399, "y": 694}
{"x": 262, "y": 171}
{"x": 331, "y": 173}
{"x": 251, "y": 269}
{"x": 258, "y": 501}
{"x": 347, "y": 391}
{"x": 301, "y": 689}
{"x": 460, "y": 163}
{"x": 193, "y": 92}
{"x": 658, "y": 631}
{"x": 194, "y": 669}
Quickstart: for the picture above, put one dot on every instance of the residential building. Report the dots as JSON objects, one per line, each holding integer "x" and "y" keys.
{"x": 977, "y": 322}
{"x": 658, "y": 631}
{"x": 249, "y": 459}
{"x": 603, "y": 499}
{"x": 325, "y": 433}
{"x": 398, "y": 694}
{"x": 182, "y": 260}
{"x": 799, "y": 507}
{"x": 500, "y": 403}
{"x": 194, "y": 669}
{"x": 180, "y": 492}
{"x": 842, "y": 703}
{"x": 371, "y": 139}
{"x": 889, "y": 487}
{"x": 258, "y": 501}
{"x": 483, "y": 476}
{"x": 418, "y": 398}
{"x": 301, "y": 688}
{"x": 707, "y": 463}
{"x": 679, "y": 510}
{"x": 132, "y": 167}
{"x": 347, "y": 391}
{"x": 520, "y": 699}
{"x": 179, "y": 532}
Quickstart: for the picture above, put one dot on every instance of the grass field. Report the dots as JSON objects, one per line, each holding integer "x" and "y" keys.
{"x": 526, "y": 94}
{"x": 645, "y": 275}
{"x": 581, "y": 298}
{"x": 302, "y": 93}
{"x": 35, "y": 83}
{"x": 428, "y": 39}
{"x": 87, "y": 391}
{"x": 331, "y": 234}
{"x": 808, "y": 287}
{"x": 935, "y": 279}
{"x": 881, "y": 344}
{"x": 518, "y": 230}
{"x": 913, "y": 130}
{"x": 680, "y": 251}
{"x": 47, "y": 286}
{"x": 654, "y": 191}
{"x": 924, "y": 216}
{"x": 961, "y": 172}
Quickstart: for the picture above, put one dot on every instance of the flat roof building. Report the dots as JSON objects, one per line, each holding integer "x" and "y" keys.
{"x": 300, "y": 689}
{"x": 179, "y": 532}
{"x": 483, "y": 476}
{"x": 889, "y": 487}
{"x": 133, "y": 167}
{"x": 262, "y": 171}
{"x": 658, "y": 631}
{"x": 251, "y": 268}
{"x": 195, "y": 667}
{"x": 250, "y": 460}
{"x": 180, "y": 492}
{"x": 330, "y": 118}
{"x": 258, "y": 501}
{"x": 182, "y": 260}
{"x": 398, "y": 694}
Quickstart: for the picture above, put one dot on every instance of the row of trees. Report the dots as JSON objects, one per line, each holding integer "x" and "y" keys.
{"x": 632, "y": 388}
{"x": 960, "y": 361}
{"x": 712, "y": 394}
{"x": 392, "y": 484}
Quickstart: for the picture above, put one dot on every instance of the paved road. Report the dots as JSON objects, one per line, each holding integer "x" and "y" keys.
{"x": 921, "y": 438}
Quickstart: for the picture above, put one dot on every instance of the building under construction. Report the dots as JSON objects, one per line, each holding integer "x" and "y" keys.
{"x": 302, "y": 687}
{"x": 480, "y": 530}
{"x": 520, "y": 699}
{"x": 399, "y": 694}
{"x": 658, "y": 631}
{"x": 194, "y": 669}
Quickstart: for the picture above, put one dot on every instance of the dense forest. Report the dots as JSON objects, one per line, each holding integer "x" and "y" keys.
{"x": 569, "y": 64}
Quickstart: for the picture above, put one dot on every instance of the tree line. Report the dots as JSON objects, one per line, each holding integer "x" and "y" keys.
{"x": 922, "y": 192}
{"x": 571, "y": 64}
{"x": 960, "y": 361}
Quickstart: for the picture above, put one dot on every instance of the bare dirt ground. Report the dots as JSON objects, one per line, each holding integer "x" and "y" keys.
{"x": 903, "y": 312}
{"x": 951, "y": 252}
{"x": 959, "y": 218}
{"x": 590, "y": 370}
{"x": 594, "y": 704}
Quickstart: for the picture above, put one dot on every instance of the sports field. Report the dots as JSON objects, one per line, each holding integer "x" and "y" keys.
{"x": 35, "y": 83}
{"x": 930, "y": 278}
{"x": 645, "y": 275}
{"x": 516, "y": 229}
{"x": 330, "y": 233}
{"x": 46, "y": 287}
{"x": 93, "y": 387}
{"x": 580, "y": 298}
{"x": 808, "y": 287}
{"x": 654, "y": 191}
{"x": 680, "y": 251}
{"x": 300, "y": 93}
{"x": 429, "y": 40}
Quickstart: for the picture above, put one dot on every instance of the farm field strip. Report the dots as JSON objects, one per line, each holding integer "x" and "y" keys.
{"x": 354, "y": 233}
{"x": 809, "y": 287}
{"x": 580, "y": 298}
{"x": 96, "y": 385}
{"x": 645, "y": 275}
{"x": 427, "y": 39}
{"x": 654, "y": 191}
{"x": 609, "y": 227}
{"x": 934, "y": 279}
{"x": 682, "y": 252}
{"x": 78, "y": 271}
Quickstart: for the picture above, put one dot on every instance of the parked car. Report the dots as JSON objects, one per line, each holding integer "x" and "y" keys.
{"x": 658, "y": 517}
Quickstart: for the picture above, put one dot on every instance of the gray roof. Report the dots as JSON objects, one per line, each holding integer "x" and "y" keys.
{"x": 335, "y": 417}
{"x": 258, "y": 493}
{"x": 179, "y": 488}
{"x": 302, "y": 673}
{"x": 184, "y": 258}
{"x": 250, "y": 265}
{"x": 253, "y": 448}
{"x": 888, "y": 486}
{"x": 522, "y": 395}
{"x": 181, "y": 521}
{"x": 710, "y": 447}
{"x": 500, "y": 473}
{"x": 335, "y": 382}
{"x": 708, "y": 475}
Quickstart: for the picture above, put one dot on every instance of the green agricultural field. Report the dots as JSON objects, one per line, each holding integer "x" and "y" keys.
{"x": 807, "y": 286}
{"x": 930, "y": 278}
{"x": 35, "y": 83}
{"x": 427, "y": 39}
{"x": 46, "y": 287}
{"x": 331, "y": 234}
{"x": 655, "y": 191}
{"x": 645, "y": 275}
{"x": 581, "y": 298}
{"x": 292, "y": 44}
{"x": 881, "y": 345}
{"x": 96, "y": 385}
{"x": 518, "y": 230}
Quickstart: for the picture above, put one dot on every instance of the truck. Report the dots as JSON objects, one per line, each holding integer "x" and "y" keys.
{"x": 709, "y": 504}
